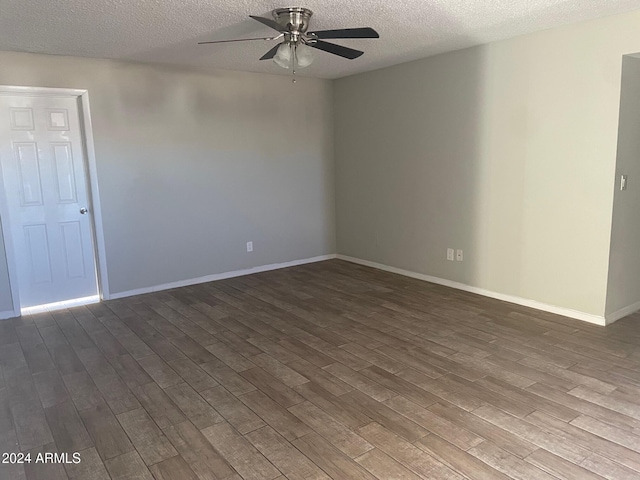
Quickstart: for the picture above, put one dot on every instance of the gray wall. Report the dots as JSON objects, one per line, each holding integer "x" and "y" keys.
{"x": 506, "y": 151}
{"x": 623, "y": 289}
{"x": 192, "y": 165}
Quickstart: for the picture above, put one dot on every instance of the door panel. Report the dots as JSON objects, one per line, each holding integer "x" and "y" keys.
{"x": 72, "y": 246}
{"x": 45, "y": 186}
{"x": 22, "y": 119}
{"x": 37, "y": 245}
{"x": 63, "y": 171}
{"x": 29, "y": 170}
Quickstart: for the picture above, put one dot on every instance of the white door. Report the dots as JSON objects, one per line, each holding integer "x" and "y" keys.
{"x": 45, "y": 187}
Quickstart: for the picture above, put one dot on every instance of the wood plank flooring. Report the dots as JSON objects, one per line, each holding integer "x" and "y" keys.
{"x": 327, "y": 370}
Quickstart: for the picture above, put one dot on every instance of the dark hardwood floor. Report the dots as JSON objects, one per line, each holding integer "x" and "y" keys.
{"x": 328, "y": 370}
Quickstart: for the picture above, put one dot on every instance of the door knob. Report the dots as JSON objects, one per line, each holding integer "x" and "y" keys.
{"x": 83, "y": 210}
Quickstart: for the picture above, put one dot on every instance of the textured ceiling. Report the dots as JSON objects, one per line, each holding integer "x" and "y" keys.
{"x": 167, "y": 31}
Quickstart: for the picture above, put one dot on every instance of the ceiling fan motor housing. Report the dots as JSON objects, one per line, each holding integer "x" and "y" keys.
{"x": 294, "y": 19}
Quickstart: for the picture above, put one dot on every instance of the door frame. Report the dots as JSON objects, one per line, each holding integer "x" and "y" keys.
{"x": 91, "y": 179}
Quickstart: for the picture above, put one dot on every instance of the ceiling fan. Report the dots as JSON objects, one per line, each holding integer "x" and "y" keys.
{"x": 295, "y": 50}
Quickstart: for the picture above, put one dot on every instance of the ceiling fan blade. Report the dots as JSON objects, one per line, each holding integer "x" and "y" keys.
{"x": 241, "y": 40}
{"x": 339, "y": 50}
{"x": 269, "y": 23}
{"x": 271, "y": 53}
{"x": 365, "y": 32}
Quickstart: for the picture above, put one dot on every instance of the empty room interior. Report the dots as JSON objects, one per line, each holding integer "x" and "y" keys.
{"x": 244, "y": 240}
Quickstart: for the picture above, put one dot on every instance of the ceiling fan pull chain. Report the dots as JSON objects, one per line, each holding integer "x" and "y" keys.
{"x": 294, "y": 59}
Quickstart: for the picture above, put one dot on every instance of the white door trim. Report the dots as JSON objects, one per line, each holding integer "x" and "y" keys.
{"x": 92, "y": 183}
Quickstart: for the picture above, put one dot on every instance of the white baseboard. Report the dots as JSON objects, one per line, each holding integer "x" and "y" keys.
{"x": 566, "y": 312}
{"x": 623, "y": 312}
{"x": 7, "y": 314}
{"x": 220, "y": 276}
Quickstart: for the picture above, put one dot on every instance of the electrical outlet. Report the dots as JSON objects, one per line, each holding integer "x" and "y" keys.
{"x": 459, "y": 256}
{"x": 450, "y": 254}
{"x": 623, "y": 182}
{"x": 249, "y": 246}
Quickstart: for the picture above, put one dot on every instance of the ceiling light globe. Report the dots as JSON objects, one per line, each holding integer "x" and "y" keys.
{"x": 284, "y": 56}
{"x": 304, "y": 55}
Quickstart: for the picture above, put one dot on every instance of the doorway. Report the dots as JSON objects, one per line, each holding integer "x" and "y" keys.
{"x": 50, "y": 210}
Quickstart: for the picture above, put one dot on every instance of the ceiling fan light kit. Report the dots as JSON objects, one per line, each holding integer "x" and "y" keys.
{"x": 290, "y": 55}
{"x": 295, "y": 50}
